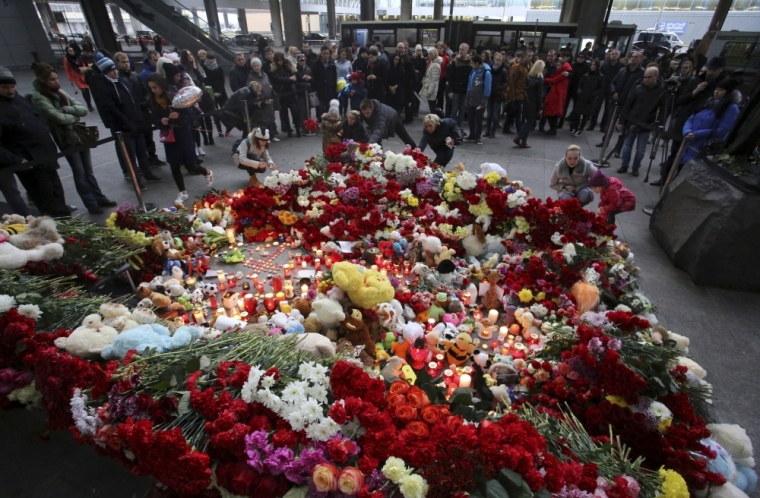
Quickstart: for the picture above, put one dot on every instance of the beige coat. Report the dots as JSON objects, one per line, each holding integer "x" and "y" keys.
{"x": 432, "y": 78}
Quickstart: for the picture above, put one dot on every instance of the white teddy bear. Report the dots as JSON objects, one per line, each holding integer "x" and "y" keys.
{"x": 88, "y": 340}
{"x": 117, "y": 315}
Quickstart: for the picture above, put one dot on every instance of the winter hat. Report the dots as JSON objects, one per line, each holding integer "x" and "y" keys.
{"x": 255, "y": 60}
{"x": 105, "y": 64}
{"x": 728, "y": 84}
{"x": 334, "y": 107}
{"x": 354, "y": 76}
{"x": 172, "y": 56}
{"x": 261, "y": 133}
{"x": 170, "y": 70}
{"x": 6, "y": 76}
{"x": 300, "y": 57}
{"x": 716, "y": 63}
{"x": 599, "y": 179}
{"x": 417, "y": 47}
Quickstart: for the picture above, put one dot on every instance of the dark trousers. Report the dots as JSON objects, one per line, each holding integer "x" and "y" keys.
{"x": 526, "y": 128}
{"x": 443, "y": 156}
{"x": 217, "y": 119}
{"x": 514, "y": 114}
{"x": 441, "y": 98}
{"x": 44, "y": 188}
{"x": 150, "y": 144}
{"x": 84, "y": 179}
{"x": 570, "y": 96}
{"x": 87, "y": 97}
{"x": 137, "y": 150}
{"x": 611, "y": 217}
{"x": 408, "y": 107}
{"x": 9, "y": 189}
{"x": 475, "y": 115}
{"x": 179, "y": 180}
{"x": 290, "y": 104}
{"x": 494, "y": 111}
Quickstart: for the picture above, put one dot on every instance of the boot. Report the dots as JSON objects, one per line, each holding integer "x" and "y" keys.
{"x": 524, "y": 144}
{"x": 254, "y": 182}
{"x": 517, "y": 140}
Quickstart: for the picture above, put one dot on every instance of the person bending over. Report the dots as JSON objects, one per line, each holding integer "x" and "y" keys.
{"x": 440, "y": 135}
{"x": 382, "y": 120}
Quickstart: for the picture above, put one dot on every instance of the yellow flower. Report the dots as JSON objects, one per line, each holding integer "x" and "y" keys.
{"x": 413, "y": 201}
{"x": 525, "y": 295}
{"x": 335, "y": 201}
{"x": 492, "y": 177}
{"x": 413, "y": 486}
{"x": 617, "y": 400}
{"x": 111, "y": 220}
{"x": 461, "y": 232}
{"x": 541, "y": 296}
{"x": 673, "y": 485}
{"x": 287, "y": 218}
{"x": 395, "y": 470}
{"x": 663, "y": 425}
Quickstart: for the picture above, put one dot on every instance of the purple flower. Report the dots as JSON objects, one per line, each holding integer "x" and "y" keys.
{"x": 423, "y": 188}
{"x": 256, "y": 440}
{"x": 310, "y": 457}
{"x": 595, "y": 346}
{"x": 349, "y": 195}
{"x": 278, "y": 460}
{"x": 254, "y": 460}
{"x": 281, "y": 189}
{"x": 615, "y": 344}
{"x": 510, "y": 190}
{"x": 394, "y": 282}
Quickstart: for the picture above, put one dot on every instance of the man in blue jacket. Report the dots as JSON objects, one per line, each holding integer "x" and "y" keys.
{"x": 478, "y": 91}
{"x": 149, "y": 65}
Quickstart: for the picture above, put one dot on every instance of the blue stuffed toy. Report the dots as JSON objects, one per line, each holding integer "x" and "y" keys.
{"x": 150, "y": 336}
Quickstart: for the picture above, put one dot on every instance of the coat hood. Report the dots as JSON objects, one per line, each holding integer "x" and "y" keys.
{"x": 438, "y": 60}
{"x": 147, "y": 64}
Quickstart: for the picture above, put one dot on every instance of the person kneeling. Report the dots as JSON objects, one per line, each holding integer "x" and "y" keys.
{"x": 614, "y": 198}
{"x": 441, "y": 135}
{"x": 253, "y": 155}
{"x": 571, "y": 176}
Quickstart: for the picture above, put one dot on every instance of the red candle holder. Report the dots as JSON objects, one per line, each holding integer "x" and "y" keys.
{"x": 212, "y": 303}
{"x": 259, "y": 286}
{"x": 269, "y": 302}
{"x": 250, "y": 303}
{"x": 317, "y": 264}
{"x": 432, "y": 369}
{"x": 277, "y": 283}
{"x": 232, "y": 282}
{"x": 518, "y": 351}
{"x": 286, "y": 271}
{"x": 299, "y": 260}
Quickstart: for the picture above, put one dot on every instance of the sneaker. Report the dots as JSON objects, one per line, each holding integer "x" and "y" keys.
{"x": 154, "y": 179}
{"x": 72, "y": 208}
{"x": 209, "y": 177}
{"x": 478, "y": 141}
{"x": 201, "y": 152}
{"x": 623, "y": 169}
{"x": 275, "y": 139}
{"x": 127, "y": 178}
{"x": 182, "y": 197}
{"x": 599, "y": 144}
{"x": 154, "y": 161}
{"x": 635, "y": 172}
{"x": 221, "y": 135}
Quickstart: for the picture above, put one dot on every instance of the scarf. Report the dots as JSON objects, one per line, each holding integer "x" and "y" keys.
{"x": 163, "y": 100}
{"x": 211, "y": 65}
{"x": 201, "y": 72}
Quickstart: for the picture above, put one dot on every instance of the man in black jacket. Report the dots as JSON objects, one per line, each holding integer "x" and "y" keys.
{"x": 311, "y": 57}
{"x": 457, "y": 79}
{"x": 440, "y": 134}
{"x": 580, "y": 68}
{"x": 239, "y": 73}
{"x": 608, "y": 70}
{"x": 25, "y": 138}
{"x": 121, "y": 113}
{"x": 324, "y": 76}
{"x": 376, "y": 75}
{"x": 627, "y": 78}
{"x": 303, "y": 88}
{"x": 381, "y": 120}
{"x": 643, "y": 106}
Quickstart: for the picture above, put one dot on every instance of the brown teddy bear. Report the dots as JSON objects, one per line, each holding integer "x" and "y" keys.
{"x": 165, "y": 308}
{"x": 491, "y": 299}
{"x": 345, "y": 345}
{"x": 302, "y": 305}
{"x": 312, "y": 324}
{"x": 357, "y": 333}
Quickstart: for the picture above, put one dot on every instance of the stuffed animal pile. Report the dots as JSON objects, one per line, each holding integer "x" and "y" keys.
{"x": 24, "y": 240}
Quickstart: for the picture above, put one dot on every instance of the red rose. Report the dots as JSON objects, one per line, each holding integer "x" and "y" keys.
{"x": 419, "y": 429}
{"x": 405, "y": 412}
{"x": 398, "y": 387}
{"x": 417, "y": 397}
{"x": 430, "y": 414}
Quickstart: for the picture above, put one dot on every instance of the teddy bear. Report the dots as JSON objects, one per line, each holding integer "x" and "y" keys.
{"x": 311, "y": 325}
{"x": 492, "y": 299}
{"x": 365, "y": 288}
{"x": 36, "y": 241}
{"x": 287, "y": 323}
{"x": 444, "y": 255}
{"x": 117, "y": 315}
{"x": 317, "y": 345}
{"x": 14, "y": 223}
{"x": 88, "y": 340}
{"x": 147, "y": 337}
{"x": 39, "y": 231}
{"x": 344, "y": 344}
{"x": 737, "y": 444}
{"x": 143, "y": 316}
{"x": 11, "y": 257}
{"x": 438, "y": 306}
{"x": 165, "y": 308}
{"x": 459, "y": 350}
{"x": 411, "y": 332}
{"x": 357, "y": 332}
{"x": 164, "y": 248}
{"x": 586, "y": 296}
{"x": 302, "y": 305}
{"x": 328, "y": 311}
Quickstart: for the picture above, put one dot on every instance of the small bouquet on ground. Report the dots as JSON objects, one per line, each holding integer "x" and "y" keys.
{"x": 310, "y": 125}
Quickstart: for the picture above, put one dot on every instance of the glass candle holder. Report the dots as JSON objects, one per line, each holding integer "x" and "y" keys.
{"x": 277, "y": 283}
{"x": 269, "y": 302}
{"x": 466, "y": 298}
{"x": 250, "y": 303}
{"x": 318, "y": 264}
{"x": 518, "y": 351}
{"x": 288, "y": 289}
{"x": 221, "y": 276}
{"x": 286, "y": 270}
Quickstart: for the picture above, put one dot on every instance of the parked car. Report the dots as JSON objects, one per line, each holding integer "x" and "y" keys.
{"x": 648, "y": 38}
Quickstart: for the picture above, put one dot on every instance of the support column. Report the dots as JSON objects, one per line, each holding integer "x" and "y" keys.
{"x": 571, "y": 11}
{"x": 226, "y": 19}
{"x": 47, "y": 16}
{"x": 406, "y": 10}
{"x": 331, "y": 18}
{"x": 242, "y": 21}
{"x": 367, "y": 10}
{"x": 590, "y": 25}
{"x": 196, "y": 19}
{"x": 96, "y": 15}
{"x": 118, "y": 19}
{"x": 293, "y": 27}
{"x": 437, "y": 10}
{"x": 719, "y": 17}
{"x": 274, "y": 12}
{"x": 212, "y": 17}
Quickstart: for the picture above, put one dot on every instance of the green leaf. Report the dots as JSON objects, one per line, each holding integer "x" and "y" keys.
{"x": 467, "y": 412}
{"x": 463, "y": 399}
{"x": 431, "y": 392}
{"x": 542, "y": 493}
{"x": 514, "y": 484}
{"x": 183, "y": 404}
{"x": 493, "y": 489}
{"x": 161, "y": 385}
{"x": 193, "y": 365}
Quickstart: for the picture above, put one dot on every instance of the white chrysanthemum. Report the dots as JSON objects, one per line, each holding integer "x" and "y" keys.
{"x": 268, "y": 381}
{"x": 312, "y": 410}
{"x": 568, "y": 251}
{"x": 6, "y": 303}
{"x": 318, "y": 392}
{"x": 323, "y": 430}
{"x": 85, "y": 419}
{"x": 336, "y": 180}
{"x": 539, "y": 310}
{"x": 591, "y": 276}
{"x": 557, "y": 238}
{"x": 268, "y": 399}
{"x": 466, "y": 180}
{"x": 305, "y": 370}
{"x": 320, "y": 374}
{"x": 30, "y": 311}
{"x": 303, "y": 201}
{"x": 296, "y": 420}
{"x": 294, "y": 392}
{"x": 660, "y": 411}
{"x": 516, "y": 199}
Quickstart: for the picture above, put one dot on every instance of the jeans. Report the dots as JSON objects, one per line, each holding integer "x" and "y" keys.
{"x": 137, "y": 150}
{"x": 514, "y": 114}
{"x": 443, "y": 156}
{"x": 84, "y": 179}
{"x": 44, "y": 188}
{"x": 9, "y": 189}
{"x": 494, "y": 111}
{"x": 584, "y": 195}
{"x": 458, "y": 108}
{"x": 526, "y": 128}
{"x": 642, "y": 139}
{"x": 475, "y": 115}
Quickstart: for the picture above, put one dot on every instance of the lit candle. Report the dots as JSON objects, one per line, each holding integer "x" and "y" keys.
{"x": 221, "y": 276}
{"x": 373, "y": 267}
{"x": 514, "y": 329}
{"x": 328, "y": 262}
{"x": 246, "y": 286}
{"x": 465, "y": 380}
{"x": 269, "y": 302}
{"x": 198, "y": 315}
{"x": 439, "y": 359}
{"x": 299, "y": 259}
{"x": 232, "y": 283}
{"x": 277, "y": 283}
{"x": 292, "y": 264}
{"x": 407, "y": 268}
{"x": 288, "y": 286}
{"x": 320, "y": 253}
{"x": 212, "y": 302}
{"x": 318, "y": 264}
{"x": 190, "y": 281}
{"x": 432, "y": 369}
{"x": 304, "y": 265}
{"x": 230, "y": 236}
{"x": 250, "y": 303}
{"x": 486, "y": 333}
{"x": 255, "y": 278}
{"x": 286, "y": 270}
{"x": 495, "y": 345}
{"x": 304, "y": 289}
{"x": 259, "y": 287}
{"x": 493, "y": 316}
{"x": 503, "y": 331}
{"x": 533, "y": 339}
{"x": 477, "y": 315}
{"x": 518, "y": 351}
{"x": 466, "y": 298}
{"x": 279, "y": 297}
{"x": 285, "y": 307}
{"x": 430, "y": 324}
{"x": 241, "y": 304}
{"x": 448, "y": 376}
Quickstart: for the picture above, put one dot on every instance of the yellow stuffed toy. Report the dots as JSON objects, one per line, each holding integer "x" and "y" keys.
{"x": 365, "y": 288}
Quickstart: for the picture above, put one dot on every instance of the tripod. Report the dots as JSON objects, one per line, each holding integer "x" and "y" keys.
{"x": 648, "y": 209}
{"x": 660, "y": 131}
{"x": 605, "y": 163}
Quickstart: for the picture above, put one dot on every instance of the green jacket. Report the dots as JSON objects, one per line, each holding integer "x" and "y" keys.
{"x": 60, "y": 118}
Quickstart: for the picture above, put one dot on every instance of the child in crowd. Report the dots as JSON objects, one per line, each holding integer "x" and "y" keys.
{"x": 614, "y": 198}
{"x": 331, "y": 125}
{"x": 355, "y": 91}
{"x": 253, "y": 155}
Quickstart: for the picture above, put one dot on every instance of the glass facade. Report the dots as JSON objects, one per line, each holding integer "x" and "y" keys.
{"x": 665, "y": 5}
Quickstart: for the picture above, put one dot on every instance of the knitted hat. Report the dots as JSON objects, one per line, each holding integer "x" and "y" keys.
{"x": 417, "y": 47}
{"x": 716, "y": 63}
{"x": 105, "y": 64}
{"x": 334, "y": 107}
{"x": 261, "y": 133}
{"x": 172, "y": 56}
{"x": 255, "y": 60}
{"x": 300, "y": 57}
{"x": 170, "y": 70}
{"x": 599, "y": 179}
{"x": 728, "y": 84}
{"x": 6, "y": 76}
{"x": 354, "y": 76}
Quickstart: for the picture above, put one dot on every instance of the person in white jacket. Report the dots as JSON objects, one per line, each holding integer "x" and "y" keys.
{"x": 253, "y": 155}
{"x": 432, "y": 77}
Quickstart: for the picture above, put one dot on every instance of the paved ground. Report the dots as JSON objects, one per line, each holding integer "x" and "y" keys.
{"x": 720, "y": 323}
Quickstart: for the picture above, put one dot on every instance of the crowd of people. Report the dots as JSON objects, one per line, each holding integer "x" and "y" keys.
{"x": 357, "y": 93}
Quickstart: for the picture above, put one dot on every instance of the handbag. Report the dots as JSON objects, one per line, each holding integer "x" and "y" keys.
{"x": 81, "y": 134}
{"x": 167, "y": 136}
{"x": 314, "y": 99}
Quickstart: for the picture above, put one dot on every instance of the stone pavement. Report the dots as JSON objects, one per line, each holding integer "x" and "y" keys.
{"x": 721, "y": 324}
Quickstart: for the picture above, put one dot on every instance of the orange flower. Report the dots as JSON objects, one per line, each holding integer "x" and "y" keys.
{"x": 325, "y": 477}
{"x": 418, "y": 428}
{"x": 398, "y": 387}
{"x": 287, "y": 218}
{"x": 395, "y": 399}
{"x": 454, "y": 422}
{"x": 417, "y": 397}
{"x": 350, "y": 481}
{"x": 405, "y": 412}
{"x": 431, "y": 414}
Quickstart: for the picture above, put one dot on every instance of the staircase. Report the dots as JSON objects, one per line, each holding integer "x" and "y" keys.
{"x": 166, "y": 20}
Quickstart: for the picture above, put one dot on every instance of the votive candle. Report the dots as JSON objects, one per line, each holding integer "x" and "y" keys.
{"x": 269, "y": 302}
{"x": 465, "y": 380}
{"x": 493, "y": 316}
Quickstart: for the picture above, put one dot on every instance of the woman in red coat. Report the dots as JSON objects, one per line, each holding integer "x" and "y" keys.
{"x": 554, "y": 105}
{"x": 74, "y": 74}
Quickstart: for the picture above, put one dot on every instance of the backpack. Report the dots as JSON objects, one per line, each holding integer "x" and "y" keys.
{"x": 237, "y": 143}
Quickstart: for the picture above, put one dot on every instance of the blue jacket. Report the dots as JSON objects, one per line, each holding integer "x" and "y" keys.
{"x": 479, "y": 87}
{"x": 704, "y": 125}
{"x": 148, "y": 69}
{"x": 358, "y": 96}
